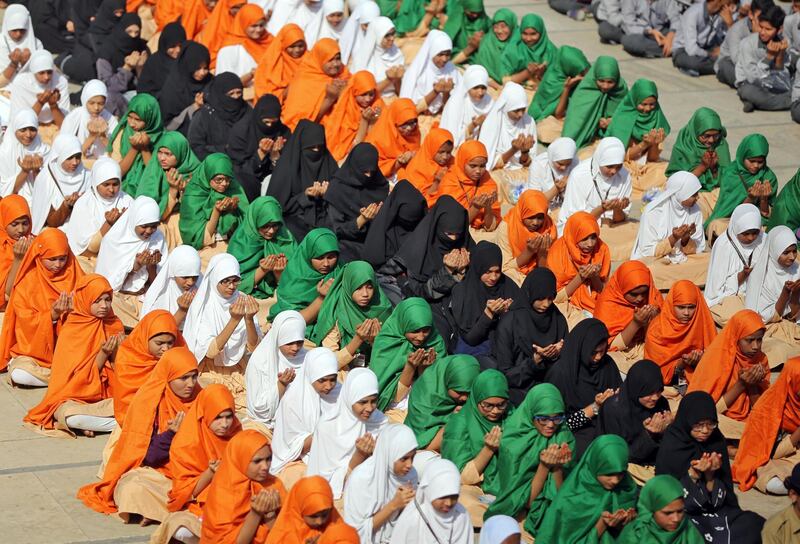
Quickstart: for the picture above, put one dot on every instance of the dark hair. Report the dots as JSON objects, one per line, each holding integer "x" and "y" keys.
{"x": 773, "y": 15}
{"x": 787, "y": 483}
{"x": 761, "y": 5}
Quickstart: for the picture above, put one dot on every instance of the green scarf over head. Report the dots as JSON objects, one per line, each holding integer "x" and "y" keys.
{"x": 572, "y": 515}
{"x": 786, "y": 210}
{"x": 298, "y": 285}
{"x": 736, "y": 178}
{"x": 518, "y": 457}
{"x": 391, "y": 348}
{"x": 339, "y": 309}
{"x": 407, "y": 18}
{"x": 589, "y": 104}
{"x": 629, "y": 123}
{"x": 688, "y": 152}
{"x": 199, "y": 200}
{"x": 429, "y": 405}
{"x": 459, "y": 27}
{"x": 490, "y": 53}
{"x": 517, "y": 55}
{"x": 657, "y": 493}
{"x": 569, "y": 62}
{"x": 464, "y": 432}
{"x": 154, "y": 179}
{"x": 249, "y": 247}
{"x": 147, "y": 108}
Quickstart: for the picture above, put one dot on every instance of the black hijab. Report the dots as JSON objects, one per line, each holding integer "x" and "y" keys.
{"x": 351, "y": 189}
{"x": 223, "y": 107}
{"x": 159, "y": 64}
{"x": 104, "y": 21}
{"x": 401, "y": 212}
{"x": 529, "y": 326}
{"x": 119, "y": 44}
{"x": 180, "y": 87}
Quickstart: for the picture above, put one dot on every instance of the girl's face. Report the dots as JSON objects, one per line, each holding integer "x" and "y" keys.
{"x": 417, "y": 338}
{"x": 236, "y": 93}
{"x": 297, "y": 49}
{"x": 55, "y": 264}
{"x": 17, "y": 34}
{"x": 269, "y": 231}
{"x": 670, "y": 517}
{"x": 201, "y": 73}
{"x": 291, "y": 349}
{"x": 403, "y": 466}
{"x": 135, "y": 122}
{"x": 324, "y": 385}
{"x": 501, "y": 31}
{"x": 610, "y": 481}
{"x": 95, "y": 105}
{"x": 442, "y": 58}
{"x": 133, "y": 31}
{"x": 19, "y": 227}
{"x": 335, "y": 19}
{"x": 257, "y": 30}
{"x": 333, "y": 67}
{"x": 459, "y": 397}
{"x": 598, "y": 353}
{"x": 788, "y": 256}
{"x": 547, "y": 425}
{"x": 444, "y": 155}
{"x": 588, "y": 244}
{"x": 443, "y": 505}
{"x": 258, "y": 467}
{"x": 363, "y": 295}
{"x": 701, "y": 431}
{"x": 44, "y": 77}
{"x": 477, "y": 93}
{"x": 222, "y": 424}
{"x": 144, "y": 232}
{"x": 650, "y": 401}
{"x": 388, "y": 39}
{"x": 366, "y": 99}
{"x": 174, "y": 51}
{"x": 541, "y": 305}
{"x": 754, "y": 164}
{"x": 166, "y": 158}
{"x": 748, "y": 237}
{"x": 26, "y": 135}
{"x": 364, "y": 408}
{"x": 709, "y": 138}
{"x": 647, "y": 105}
{"x": 691, "y": 201}
{"x": 493, "y": 408}
{"x": 160, "y": 343}
{"x": 210, "y": 4}
{"x": 516, "y": 115}
{"x": 513, "y": 539}
{"x": 184, "y": 386}
{"x": 185, "y": 283}
{"x": 611, "y": 170}
{"x": 530, "y": 36}
{"x": 324, "y": 264}
{"x": 561, "y": 166}
{"x": 491, "y": 276}
{"x": 638, "y": 296}
{"x": 220, "y": 183}
{"x": 534, "y": 222}
{"x": 228, "y": 286}
{"x": 101, "y": 308}
{"x": 475, "y": 168}
{"x": 750, "y": 345}
{"x": 605, "y": 85}
{"x": 409, "y": 128}
{"x": 71, "y": 163}
{"x": 684, "y": 312}
{"x": 318, "y": 520}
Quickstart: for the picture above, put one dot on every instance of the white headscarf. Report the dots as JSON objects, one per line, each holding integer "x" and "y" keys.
{"x": 17, "y": 17}
{"x": 423, "y": 73}
{"x": 352, "y": 38}
{"x": 498, "y": 130}
{"x": 76, "y": 121}
{"x": 497, "y": 529}
{"x": 308, "y": 17}
{"x": 334, "y": 441}
{"x": 91, "y": 207}
{"x": 729, "y": 256}
{"x": 373, "y": 483}
{"x": 328, "y": 31}
{"x": 460, "y": 108}
{"x": 302, "y": 407}
{"x": 665, "y": 212}
{"x": 121, "y": 244}
{"x": 25, "y": 87}
{"x": 587, "y": 187}
{"x": 440, "y": 479}
{"x": 11, "y": 151}
{"x": 543, "y": 174}
{"x": 163, "y": 293}
{"x": 374, "y": 58}
{"x": 765, "y": 282}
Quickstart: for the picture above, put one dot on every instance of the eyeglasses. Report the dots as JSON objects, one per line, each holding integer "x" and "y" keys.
{"x": 555, "y": 420}
{"x": 231, "y": 282}
{"x": 488, "y": 406}
{"x": 705, "y": 425}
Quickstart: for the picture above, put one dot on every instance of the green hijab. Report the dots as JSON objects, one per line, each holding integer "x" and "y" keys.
{"x": 629, "y": 123}
{"x": 581, "y": 500}
{"x": 589, "y": 104}
{"x": 429, "y": 405}
{"x": 154, "y": 179}
{"x": 407, "y": 18}
{"x": 459, "y": 27}
{"x": 490, "y": 53}
{"x": 657, "y": 493}
{"x": 786, "y": 210}
{"x": 517, "y": 55}
{"x": 688, "y": 151}
{"x": 518, "y": 458}
{"x": 339, "y": 309}
{"x": 464, "y": 432}
{"x": 736, "y": 178}
{"x": 569, "y": 62}
{"x": 146, "y": 107}
{"x": 391, "y": 348}
{"x": 199, "y": 199}
{"x": 249, "y": 247}
{"x": 298, "y": 285}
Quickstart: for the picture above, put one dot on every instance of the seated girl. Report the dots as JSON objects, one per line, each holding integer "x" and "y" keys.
{"x": 189, "y": 76}
{"x": 527, "y": 57}
{"x": 526, "y": 235}
{"x": 502, "y": 35}
{"x": 119, "y": 60}
{"x": 396, "y": 136}
{"x": 469, "y": 103}
{"x": 245, "y": 45}
{"x": 353, "y": 115}
{"x": 133, "y": 141}
{"x": 437, "y": 394}
{"x": 670, "y": 239}
{"x": 171, "y": 40}
{"x": 472, "y": 439}
{"x": 40, "y": 301}
{"x": 15, "y": 237}
{"x": 380, "y": 56}
{"x": 345, "y": 438}
{"x": 175, "y": 285}
{"x": 45, "y": 90}
{"x": 78, "y": 395}
{"x": 277, "y": 66}
{"x": 640, "y": 124}
{"x": 530, "y": 337}
{"x": 22, "y": 153}
{"x": 352, "y": 314}
{"x": 91, "y": 123}
{"x": 785, "y": 209}
{"x": 550, "y": 171}
{"x": 308, "y": 514}
{"x": 19, "y": 40}
{"x": 431, "y": 77}
{"x": 429, "y": 165}
{"x": 223, "y": 107}
{"x": 355, "y": 30}
{"x": 535, "y": 452}
{"x": 466, "y": 24}
{"x": 628, "y": 304}
{"x": 679, "y": 335}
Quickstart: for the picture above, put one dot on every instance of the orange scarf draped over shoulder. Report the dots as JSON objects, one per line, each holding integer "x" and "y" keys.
{"x": 530, "y": 203}
{"x": 217, "y": 27}
{"x": 386, "y": 137}
{"x": 12, "y": 207}
{"x": 341, "y": 126}
{"x": 422, "y": 169}
{"x": 248, "y": 14}
{"x": 457, "y": 184}
{"x": 195, "y": 17}
{"x": 168, "y": 11}
{"x": 277, "y": 68}
{"x": 308, "y": 496}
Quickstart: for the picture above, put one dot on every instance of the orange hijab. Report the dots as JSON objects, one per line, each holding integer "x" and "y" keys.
{"x": 722, "y": 361}
{"x": 530, "y": 203}
{"x": 151, "y": 408}
{"x": 168, "y": 12}
{"x": 421, "y": 170}
{"x": 308, "y": 496}
{"x": 237, "y": 35}
{"x": 195, "y": 445}
{"x": 387, "y": 139}
{"x": 777, "y": 409}
{"x": 341, "y": 126}
{"x": 74, "y": 372}
{"x": 27, "y": 327}
{"x": 307, "y": 89}
{"x": 231, "y": 490}
{"x": 194, "y": 17}
{"x": 217, "y": 27}
{"x": 276, "y": 68}
{"x": 667, "y": 338}
{"x": 134, "y": 362}
{"x": 340, "y": 534}
{"x": 12, "y": 208}
{"x": 457, "y": 184}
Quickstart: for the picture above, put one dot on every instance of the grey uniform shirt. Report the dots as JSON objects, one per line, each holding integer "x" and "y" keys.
{"x": 700, "y": 32}
{"x": 740, "y": 30}
{"x": 610, "y": 11}
{"x": 639, "y": 15}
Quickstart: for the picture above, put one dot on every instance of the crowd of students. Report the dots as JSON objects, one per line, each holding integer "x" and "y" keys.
{"x": 371, "y": 273}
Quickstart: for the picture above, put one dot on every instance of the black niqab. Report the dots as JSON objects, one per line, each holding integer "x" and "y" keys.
{"x": 532, "y": 327}
{"x": 180, "y": 85}
{"x": 119, "y": 44}
{"x": 352, "y": 188}
{"x": 159, "y": 64}
{"x": 402, "y": 210}
{"x": 103, "y": 23}
{"x": 223, "y": 107}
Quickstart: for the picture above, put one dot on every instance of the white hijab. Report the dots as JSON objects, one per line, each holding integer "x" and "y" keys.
{"x": 423, "y": 73}
{"x": 353, "y": 36}
{"x": 76, "y": 121}
{"x": 373, "y": 483}
{"x": 25, "y": 87}
{"x": 587, "y": 187}
{"x": 460, "y": 108}
{"x": 374, "y": 58}
{"x": 163, "y": 293}
{"x": 17, "y": 17}
{"x": 11, "y": 151}
{"x": 543, "y": 173}
{"x": 765, "y": 283}
{"x": 419, "y": 519}
{"x": 328, "y": 31}
{"x": 334, "y": 441}
{"x": 665, "y": 212}
{"x": 91, "y": 207}
{"x": 498, "y": 528}
{"x": 302, "y": 407}
{"x": 729, "y": 256}
{"x": 54, "y": 184}
{"x": 121, "y": 244}
{"x": 498, "y": 130}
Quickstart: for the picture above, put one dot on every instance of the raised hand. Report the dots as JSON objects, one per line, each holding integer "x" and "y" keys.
{"x": 324, "y": 287}
{"x": 365, "y": 445}
{"x": 21, "y": 247}
{"x": 237, "y": 309}
{"x": 287, "y": 376}
{"x": 175, "y": 423}
{"x": 492, "y": 439}
{"x": 110, "y": 346}
{"x": 185, "y": 300}
{"x": 369, "y": 212}
{"x": 62, "y": 305}
{"x": 404, "y": 495}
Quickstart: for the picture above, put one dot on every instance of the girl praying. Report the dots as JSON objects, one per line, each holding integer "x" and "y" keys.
{"x": 22, "y": 155}
{"x": 91, "y": 123}
{"x": 550, "y": 171}
{"x": 175, "y": 285}
{"x": 526, "y": 235}
{"x": 15, "y": 239}
{"x": 133, "y": 141}
{"x": 469, "y": 104}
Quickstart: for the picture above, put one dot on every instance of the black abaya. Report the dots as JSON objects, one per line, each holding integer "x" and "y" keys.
{"x": 158, "y": 65}
{"x": 211, "y": 124}
{"x": 180, "y": 87}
